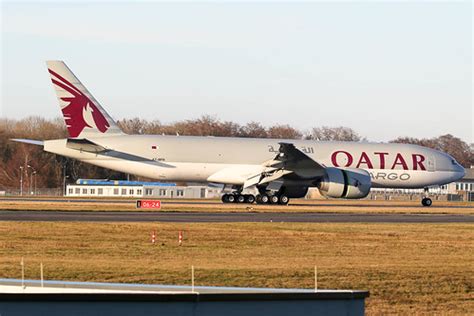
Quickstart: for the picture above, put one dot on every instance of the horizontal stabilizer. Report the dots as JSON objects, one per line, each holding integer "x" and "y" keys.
{"x": 84, "y": 145}
{"x": 29, "y": 141}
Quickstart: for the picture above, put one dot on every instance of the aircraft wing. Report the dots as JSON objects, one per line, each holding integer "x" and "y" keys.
{"x": 301, "y": 164}
{"x": 289, "y": 163}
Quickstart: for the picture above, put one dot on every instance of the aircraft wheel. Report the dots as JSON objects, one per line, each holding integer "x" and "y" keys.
{"x": 264, "y": 199}
{"x": 426, "y": 202}
{"x": 274, "y": 199}
{"x": 225, "y": 198}
{"x": 240, "y": 198}
{"x": 283, "y": 200}
{"x": 250, "y": 198}
{"x": 230, "y": 198}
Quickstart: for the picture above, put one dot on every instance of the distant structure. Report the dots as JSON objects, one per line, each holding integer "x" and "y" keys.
{"x": 30, "y": 297}
{"x": 462, "y": 190}
{"x": 138, "y": 189}
{"x": 466, "y": 184}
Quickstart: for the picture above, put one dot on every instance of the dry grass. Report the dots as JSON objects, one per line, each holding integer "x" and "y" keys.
{"x": 321, "y": 206}
{"x": 409, "y": 268}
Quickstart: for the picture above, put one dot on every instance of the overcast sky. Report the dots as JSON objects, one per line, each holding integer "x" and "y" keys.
{"x": 386, "y": 69}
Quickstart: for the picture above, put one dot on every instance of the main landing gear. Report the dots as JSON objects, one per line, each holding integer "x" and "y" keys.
{"x": 426, "y": 201}
{"x": 238, "y": 198}
{"x": 260, "y": 198}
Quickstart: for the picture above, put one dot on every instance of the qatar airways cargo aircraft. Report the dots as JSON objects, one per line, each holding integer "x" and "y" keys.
{"x": 256, "y": 170}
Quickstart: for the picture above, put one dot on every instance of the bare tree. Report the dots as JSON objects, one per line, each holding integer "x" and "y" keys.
{"x": 284, "y": 132}
{"x": 49, "y": 167}
{"x": 448, "y": 143}
{"x": 253, "y": 129}
{"x": 133, "y": 126}
{"x": 339, "y": 133}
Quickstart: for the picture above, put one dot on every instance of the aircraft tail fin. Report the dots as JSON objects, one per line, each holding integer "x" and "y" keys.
{"x": 83, "y": 115}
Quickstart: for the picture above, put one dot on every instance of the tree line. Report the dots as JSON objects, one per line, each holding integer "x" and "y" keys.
{"x": 48, "y": 170}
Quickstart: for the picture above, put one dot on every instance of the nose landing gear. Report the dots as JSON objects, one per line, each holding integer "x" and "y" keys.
{"x": 426, "y": 201}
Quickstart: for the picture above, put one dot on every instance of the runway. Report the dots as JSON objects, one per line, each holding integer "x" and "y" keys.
{"x": 295, "y": 203}
{"x": 206, "y": 217}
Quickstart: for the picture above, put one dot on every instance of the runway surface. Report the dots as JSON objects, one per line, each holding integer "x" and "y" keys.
{"x": 207, "y": 202}
{"x": 200, "y": 217}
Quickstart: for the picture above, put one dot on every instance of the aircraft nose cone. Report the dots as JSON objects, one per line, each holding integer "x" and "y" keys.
{"x": 461, "y": 171}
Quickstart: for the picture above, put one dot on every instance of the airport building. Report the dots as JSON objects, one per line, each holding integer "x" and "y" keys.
{"x": 466, "y": 184}
{"x": 37, "y": 297}
{"x": 462, "y": 190}
{"x": 138, "y": 189}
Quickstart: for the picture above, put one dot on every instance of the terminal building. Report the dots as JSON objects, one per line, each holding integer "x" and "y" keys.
{"x": 462, "y": 190}
{"x": 138, "y": 189}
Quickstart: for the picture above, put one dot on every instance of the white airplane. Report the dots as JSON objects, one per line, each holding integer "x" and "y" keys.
{"x": 256, "y": 170}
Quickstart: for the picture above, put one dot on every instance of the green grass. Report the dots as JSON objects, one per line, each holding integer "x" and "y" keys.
{"x": 408, "y": 268}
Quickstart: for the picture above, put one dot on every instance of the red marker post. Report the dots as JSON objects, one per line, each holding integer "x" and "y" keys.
{"x": 153, "y": 237}
{"x": 180, "y": 238}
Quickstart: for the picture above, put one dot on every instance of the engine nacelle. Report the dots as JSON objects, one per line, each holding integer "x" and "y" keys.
{"x": 295, "y": 191}
{"x": 345, "y": 183}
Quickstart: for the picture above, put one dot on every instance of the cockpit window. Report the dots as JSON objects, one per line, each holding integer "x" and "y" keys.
{"x": 454, "y": 162}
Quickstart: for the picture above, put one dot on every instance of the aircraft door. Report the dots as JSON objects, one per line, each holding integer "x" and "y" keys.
{"x": 431, "y": 163}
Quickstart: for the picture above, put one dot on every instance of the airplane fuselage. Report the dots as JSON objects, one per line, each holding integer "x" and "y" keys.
{"x": 233, "y": 160}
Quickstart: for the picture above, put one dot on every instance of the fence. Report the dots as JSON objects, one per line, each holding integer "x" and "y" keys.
{"x": 39, "y": 191}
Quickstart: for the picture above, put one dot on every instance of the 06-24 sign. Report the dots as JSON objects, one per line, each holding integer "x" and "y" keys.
{"x": 149, "y": 204}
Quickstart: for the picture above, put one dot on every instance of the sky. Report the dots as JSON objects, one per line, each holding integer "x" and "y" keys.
{"x": 385, "y": 69}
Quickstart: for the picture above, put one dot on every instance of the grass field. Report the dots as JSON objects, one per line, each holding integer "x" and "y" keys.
{"x": 300, "y": 205}
{"x": 408, "y": 268}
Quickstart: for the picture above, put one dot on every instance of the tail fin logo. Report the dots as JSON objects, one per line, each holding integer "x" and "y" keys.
{"x": 80, "y": 112}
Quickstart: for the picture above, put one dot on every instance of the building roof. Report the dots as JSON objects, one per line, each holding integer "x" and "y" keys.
{"x": 469, "y": 176}
{"x": 10, "y": 287}
{"x": 122, "y": 182}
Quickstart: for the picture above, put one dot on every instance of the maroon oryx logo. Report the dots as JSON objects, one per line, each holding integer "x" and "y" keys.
{"x": 80, "y": 109}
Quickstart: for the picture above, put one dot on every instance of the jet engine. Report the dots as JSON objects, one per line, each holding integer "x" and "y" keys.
{"x": 295, "y": 191}
{"x": 345, "y": 183}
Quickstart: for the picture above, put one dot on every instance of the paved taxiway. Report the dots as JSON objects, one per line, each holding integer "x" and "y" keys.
{"x": 210, "y": 202}
{"x": 200, "y": 217}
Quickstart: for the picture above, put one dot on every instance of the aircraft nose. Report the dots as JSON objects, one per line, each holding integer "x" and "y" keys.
{"x": 461, "y": 171}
